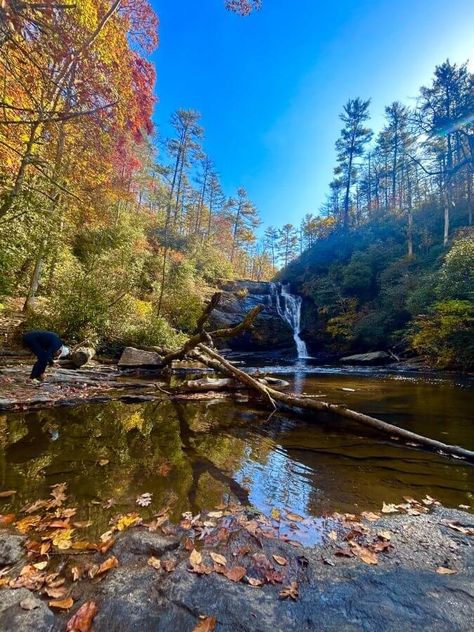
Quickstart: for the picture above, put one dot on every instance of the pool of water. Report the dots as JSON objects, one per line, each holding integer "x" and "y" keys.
{"x": 196, "y": 455}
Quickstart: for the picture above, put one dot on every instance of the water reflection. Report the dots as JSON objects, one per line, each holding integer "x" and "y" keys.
{"x": 196, "y": 455}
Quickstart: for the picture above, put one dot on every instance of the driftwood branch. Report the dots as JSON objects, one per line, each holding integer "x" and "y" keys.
{"x": 300, "y": 404}
{"x": 203, "y": 336}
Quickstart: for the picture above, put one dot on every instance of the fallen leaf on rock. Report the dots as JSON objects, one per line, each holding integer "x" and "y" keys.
{"x": 111, "y": 562}
{"x": 384, "y": 535}
{"x": 195, "y": 558}
{"x": 77, "y": 572}
{"x": 236, "y": 573}
{"x": 188, "y": 543}
{"x": 81, "y": 621}
{"x": 279, "y": 560}
{"x": 61, "y": 604}
{"x": 290, "y": 591}
{"x": 369, "y": 515}
{"x": 464, "y": 506}
{"x": 207, "y": 624}
{"x": 294, "y": 517}
{"x": 378, "y": 547}
{"x": 442, "y": 570}
{"x": 332, "y": 535}
{"x": 367, "y": 556}
{"x": 215, "y": 514}
{"x": 154, "y": 562}
{"x": 169, "y": 565}
{"x": 202, "y": 569}
{"x": 274, "y": 577}
{"x": 56, "y": 593}
{"x": 344, "y": 552}
{"x": 464, "y": 530}
{"x": 219, "y": 559}
{"x": 388, "y": 508}
{"x": 25, "y": 524}
{"x": 29, "y": 603}
{"x": 253, "y": 581}
{"x": 8, "y": 493}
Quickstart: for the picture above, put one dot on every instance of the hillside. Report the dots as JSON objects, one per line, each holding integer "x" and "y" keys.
{"x": 362, "y": 291}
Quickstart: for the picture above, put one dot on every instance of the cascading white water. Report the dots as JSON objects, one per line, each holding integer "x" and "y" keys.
{"x": 288, "y": 307}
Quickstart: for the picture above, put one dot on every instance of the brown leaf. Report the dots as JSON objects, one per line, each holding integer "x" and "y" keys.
{"x": 274, "y": 577}
{"x": 56, "y": 593}
{"x": 169, "y": 565}
{"x": 207, "y": 624}
{"x": 332, "y": 535}
{"x": 255, "y": 582}
{"x": 6, "y": 519}
{"x": 236, "y": 573}
{"x": 218, "y": 559}
{"x": 202, "y": 569}
{"x": 370, "y": 515}
{"x": 61, "y": 604}
{"x": 384, "y": 535}
{"x": 188, "y": 543}
{"x": 77, "y": 572}
{"x": 389, "y": 508}
{"x": 195, "y": 558}
{"x": 367, "y": 556}
{"x": 84, "y": 545}
{"x": 442, "y": 570}
{"x": 111, "y": 562}
{"x": 8, "y": 493}
{"x": 279, "y": 560}
{"x": 82, "y": 620}
{"x": 291, "y": 591}
{"x": 294, "y": 517}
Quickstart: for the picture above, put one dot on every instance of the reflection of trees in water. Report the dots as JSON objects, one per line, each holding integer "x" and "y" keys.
{"x": 56, "y": 445}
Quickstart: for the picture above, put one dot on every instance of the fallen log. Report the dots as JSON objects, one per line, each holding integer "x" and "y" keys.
{"x": 81, "y": 356}
{"x": 277, "y": 399}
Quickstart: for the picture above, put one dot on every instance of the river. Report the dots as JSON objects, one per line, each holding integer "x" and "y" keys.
{"x": 199, "y": 454}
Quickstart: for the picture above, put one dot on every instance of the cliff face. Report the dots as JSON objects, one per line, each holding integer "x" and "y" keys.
{"x": 270, "y": 333}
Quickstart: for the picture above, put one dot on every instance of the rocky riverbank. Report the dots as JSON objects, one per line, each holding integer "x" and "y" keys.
{"x": 238, "y": 570}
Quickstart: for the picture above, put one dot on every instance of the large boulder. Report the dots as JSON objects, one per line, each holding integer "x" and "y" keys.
{"x": 270, "y": 331}
{"x": 133, "y": 358}
{"x": 374, "y": 357}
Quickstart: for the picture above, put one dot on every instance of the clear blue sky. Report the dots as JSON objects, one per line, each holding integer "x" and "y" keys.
{"x": 270, "y": 86}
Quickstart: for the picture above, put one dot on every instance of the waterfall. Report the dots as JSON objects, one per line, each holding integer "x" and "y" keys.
{"x": 288, "y": 307}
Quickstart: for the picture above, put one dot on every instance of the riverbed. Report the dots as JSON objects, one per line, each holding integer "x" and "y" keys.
{"x": 195, "y": 455}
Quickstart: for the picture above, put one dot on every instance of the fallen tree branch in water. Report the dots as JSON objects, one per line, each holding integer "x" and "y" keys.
{"x": 277, "y": 399}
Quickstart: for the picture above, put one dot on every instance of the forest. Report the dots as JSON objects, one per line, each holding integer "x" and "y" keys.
{"x": 105, "y": 235}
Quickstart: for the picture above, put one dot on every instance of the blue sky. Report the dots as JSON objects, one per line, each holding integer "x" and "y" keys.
{"x": 270, "y": 86}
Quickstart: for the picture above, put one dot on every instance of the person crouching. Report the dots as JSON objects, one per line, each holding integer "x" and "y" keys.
{"x": 47, "y": 346}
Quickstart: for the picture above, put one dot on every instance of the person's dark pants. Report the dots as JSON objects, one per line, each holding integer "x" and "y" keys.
{"x": 44, "y": 347}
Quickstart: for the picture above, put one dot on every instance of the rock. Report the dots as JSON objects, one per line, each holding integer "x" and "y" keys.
{"x": 374, "y": 357}
{"x": 270, "y": 331}
{"x": 132, "y": 357}
{"x": 143, "y": 543}
{"x": 37, "y": 617}
{"x": 11, "y": 549}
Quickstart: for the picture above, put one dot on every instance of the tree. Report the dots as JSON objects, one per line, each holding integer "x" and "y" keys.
{"x": 244, "y": 218}
{"x": 271, "y": 244}
{"x": 287, "y": 243}
{"x": 350, "y": 146}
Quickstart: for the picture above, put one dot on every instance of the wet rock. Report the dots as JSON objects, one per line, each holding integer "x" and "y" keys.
{"x": 15, "y": 618}
{"x": 144, "y": 544}
{"x": 132, "y": 357}
{"x": 270, "y": 331}
{"x": 374, "y": 357}
{"x": 11, "y": 549}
